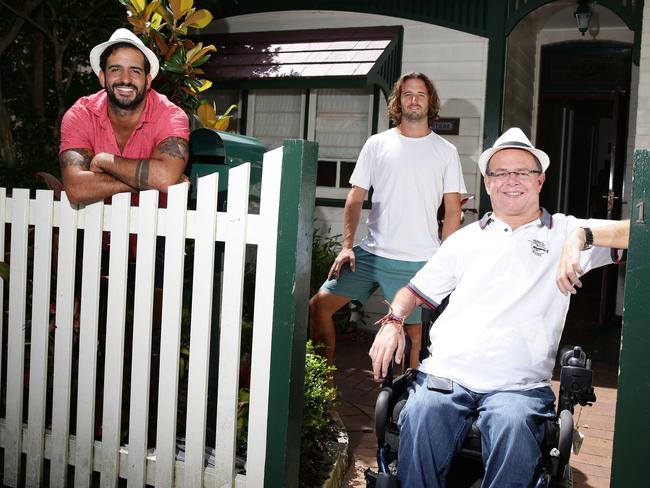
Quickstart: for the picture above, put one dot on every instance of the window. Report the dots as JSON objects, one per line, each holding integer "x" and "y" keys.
{"x": 275, "y": 115}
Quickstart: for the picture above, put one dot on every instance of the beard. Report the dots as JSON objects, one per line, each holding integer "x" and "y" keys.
{"x": 121, "y": 103}
{"x": 414, "y": 116}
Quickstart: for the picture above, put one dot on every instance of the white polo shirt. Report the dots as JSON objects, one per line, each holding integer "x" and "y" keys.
{"x": 504, "y": 320}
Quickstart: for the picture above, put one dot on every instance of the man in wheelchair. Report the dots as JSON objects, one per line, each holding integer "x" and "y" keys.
{"x": 509, "y": 278}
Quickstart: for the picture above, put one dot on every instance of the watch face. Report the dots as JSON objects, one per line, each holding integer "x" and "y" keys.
{"x": 589, "y": 238}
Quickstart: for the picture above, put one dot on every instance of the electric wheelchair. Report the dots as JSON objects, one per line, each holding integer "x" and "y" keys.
{"x": 576, "y": 387}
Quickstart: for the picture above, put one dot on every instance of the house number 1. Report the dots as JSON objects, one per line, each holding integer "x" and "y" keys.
{"x": 640, "y": 219}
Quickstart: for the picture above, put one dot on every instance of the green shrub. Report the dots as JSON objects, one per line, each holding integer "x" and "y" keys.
{"x": 317, "y": 424}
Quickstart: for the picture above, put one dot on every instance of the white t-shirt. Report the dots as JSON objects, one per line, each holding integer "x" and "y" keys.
{"x": 409, "y": 176}
{"x": 502, "y": 327}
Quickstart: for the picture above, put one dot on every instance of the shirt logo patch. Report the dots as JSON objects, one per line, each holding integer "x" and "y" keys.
{"x": 538, "y": 247}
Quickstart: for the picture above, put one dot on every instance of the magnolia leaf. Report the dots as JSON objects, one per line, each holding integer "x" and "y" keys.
{"x": 174, "y": 68}
{"x": 199, "y": 55}
{"x": 172, "y": 50}
{"x": 138, "y": 5}
{"x": 182, "y": 30}
{"x": 165, "y": 14}
{"x": 222, "y": 123}
{"x": 186, "y": 6}
{"x": 189, "y": 12}
{"x": 198, "y": 19}
{"x": 178, "y": 57}
{"x": 198, "y": 71}
{"x": 156, "y": 22}
{"x": 4, "y": 271}
{"x": 207, "y": 114}
{"x": 176, "y": 8}
{"x": 205, "y": 84}
{"x": 201, "y": 61}
{"x": 191, "y": 52}
{"x": 151, "y": 8}
{"x": 188, "y": 90}
{"x": 180, "y": 7}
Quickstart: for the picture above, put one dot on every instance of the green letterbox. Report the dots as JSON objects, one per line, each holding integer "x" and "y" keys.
{"x": 213, "y": 151}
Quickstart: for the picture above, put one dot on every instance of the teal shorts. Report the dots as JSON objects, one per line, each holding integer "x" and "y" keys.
{"x": 374, "y": 272}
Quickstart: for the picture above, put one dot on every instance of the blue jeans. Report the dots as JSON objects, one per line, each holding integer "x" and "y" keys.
{"x": 433, "y": 426}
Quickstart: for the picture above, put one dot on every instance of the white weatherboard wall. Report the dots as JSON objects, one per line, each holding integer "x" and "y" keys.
{"x": 454, "y": 60}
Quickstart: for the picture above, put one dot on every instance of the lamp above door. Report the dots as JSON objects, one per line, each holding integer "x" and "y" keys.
{"x": 583, "y": 16}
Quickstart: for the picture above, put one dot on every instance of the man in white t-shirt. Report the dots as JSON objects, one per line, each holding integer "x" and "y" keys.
{"x": 494, "y": 346}
{"x": 412, "y": 171}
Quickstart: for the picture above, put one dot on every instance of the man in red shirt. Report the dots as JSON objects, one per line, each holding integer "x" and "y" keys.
{"x": 126, "y": 137}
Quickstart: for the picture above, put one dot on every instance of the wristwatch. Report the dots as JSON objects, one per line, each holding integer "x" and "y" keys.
{"x": 589, "y": 239}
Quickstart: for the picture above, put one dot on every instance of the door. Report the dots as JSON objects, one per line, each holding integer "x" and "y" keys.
{"x": 583, "y": 128}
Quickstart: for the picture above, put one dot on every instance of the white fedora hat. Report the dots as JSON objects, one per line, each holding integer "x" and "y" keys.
{"x": 513, "y": 138}
{"x": 123, "y": 35}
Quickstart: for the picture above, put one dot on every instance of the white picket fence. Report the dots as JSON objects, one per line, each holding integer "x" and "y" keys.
{"x": 132, "y": 461}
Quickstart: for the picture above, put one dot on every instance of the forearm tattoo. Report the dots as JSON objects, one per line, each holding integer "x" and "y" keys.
{"x": 175, "y": 147}
{"x": 78, "y": 157}
{"x": 142, "y": 174}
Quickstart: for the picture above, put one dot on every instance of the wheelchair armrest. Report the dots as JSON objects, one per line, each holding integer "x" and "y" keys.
{"x": 576, "y": 380}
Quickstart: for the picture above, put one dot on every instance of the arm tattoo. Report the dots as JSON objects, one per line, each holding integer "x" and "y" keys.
{"x": 79, "y": 157}
{"x": 176, "y": 147}
{"x": 142, "y": 174}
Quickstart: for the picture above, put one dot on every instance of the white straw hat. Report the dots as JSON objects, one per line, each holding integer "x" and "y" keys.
{"x": 513, "y": 138}
{"x": 123, "y": 35}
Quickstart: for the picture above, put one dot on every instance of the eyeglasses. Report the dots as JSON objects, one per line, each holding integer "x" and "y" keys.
{"x": 521, "y": 174}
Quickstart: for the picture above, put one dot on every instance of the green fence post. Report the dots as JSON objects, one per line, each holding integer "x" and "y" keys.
{"x": 290, "y": 312}
{"x": 630, "y": 460}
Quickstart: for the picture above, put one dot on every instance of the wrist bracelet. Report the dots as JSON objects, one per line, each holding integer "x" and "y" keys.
{"x": 589, "y": 239}
{"x": 391, "y": 317}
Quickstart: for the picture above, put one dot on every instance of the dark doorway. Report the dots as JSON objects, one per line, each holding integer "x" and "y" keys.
{"x": 582, "y": 125}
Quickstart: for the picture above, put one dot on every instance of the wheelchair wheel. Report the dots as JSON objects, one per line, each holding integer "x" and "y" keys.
{"x": 567, "y": 481}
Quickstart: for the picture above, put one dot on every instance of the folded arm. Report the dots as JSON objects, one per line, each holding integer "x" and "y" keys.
{"x": 161, "y": 170}
{"x": 615, "y": 235}
{"x": 83, "y": 185}
{"x": 389, "y": 341}
{"x": 89, "y": 178}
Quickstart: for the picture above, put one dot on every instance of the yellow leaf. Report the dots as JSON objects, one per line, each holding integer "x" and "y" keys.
{"x": 198, "y": 55}
{"x": 198, "y": 19}
{"x": 156, "y": 21}
{"x": 205, "y": 84}
{"x": 138, "y": 5}
{"x": 193, "y": 51}
{"x": 186, "y": 5}
{"x": 151, "y": 8}
{"x": 164, "y": 13}
{"x": 222, "y": 123}
{"x": 207, "y": 114}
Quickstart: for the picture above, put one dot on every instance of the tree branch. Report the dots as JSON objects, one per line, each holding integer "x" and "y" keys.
{"x": 21, "y": 18}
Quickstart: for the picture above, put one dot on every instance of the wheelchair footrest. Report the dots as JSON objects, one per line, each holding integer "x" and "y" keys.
{"x": 380, "y": 480}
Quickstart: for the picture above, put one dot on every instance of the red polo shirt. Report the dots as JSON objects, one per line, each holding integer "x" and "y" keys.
{"x": 86, "y": 125}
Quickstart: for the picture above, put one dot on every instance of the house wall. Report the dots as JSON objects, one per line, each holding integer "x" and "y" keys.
{"x": 521, "y": 71}
{"x": 642, "y": 107}
{"x": 455, "y": 61}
